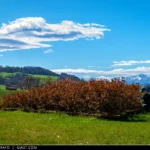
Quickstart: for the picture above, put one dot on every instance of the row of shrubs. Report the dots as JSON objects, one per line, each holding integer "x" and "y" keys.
{"x": 103, "y": 96}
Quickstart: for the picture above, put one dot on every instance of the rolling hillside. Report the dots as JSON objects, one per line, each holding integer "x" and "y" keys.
{"x": 13, "y": 75}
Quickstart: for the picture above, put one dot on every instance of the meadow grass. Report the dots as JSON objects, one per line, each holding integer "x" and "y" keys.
{"x": 45, "y": 76}
{"x": 3, "y": 91}
{"x": 17, "y": 127}
{"x": 2, "y": 87}
{"x": 6, "y": 74}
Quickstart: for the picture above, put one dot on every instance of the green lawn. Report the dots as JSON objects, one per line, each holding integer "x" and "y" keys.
{"x": 18, "y": 127}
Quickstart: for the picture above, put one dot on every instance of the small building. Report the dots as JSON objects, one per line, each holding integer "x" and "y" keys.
{"x": 11, "y": 87}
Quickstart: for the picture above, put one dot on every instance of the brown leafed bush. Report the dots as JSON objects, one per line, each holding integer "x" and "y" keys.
{"x": 111, "y": 97}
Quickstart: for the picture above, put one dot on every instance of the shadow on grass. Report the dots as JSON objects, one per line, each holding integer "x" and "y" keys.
{"x": 142, "y": 116}
{"x": 135, "y": 118}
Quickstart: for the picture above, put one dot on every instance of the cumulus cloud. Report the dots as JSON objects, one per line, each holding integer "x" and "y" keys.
{"x": 129, "y": 63}
{"x": 120, "y": 71}
{"x": 30, "y": 32}
{"x": 80, "y": 71}
{"x": 48, "y": 51}
{"x": 12, "y": 44}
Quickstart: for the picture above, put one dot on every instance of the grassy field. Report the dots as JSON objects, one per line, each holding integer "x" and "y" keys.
{"x": 18, "y": 127}
{"x": 45, "y": 76}
{"x": 5, "y": 74}
{"x": 3, "y": 91}
{"x": 2, "y": 87}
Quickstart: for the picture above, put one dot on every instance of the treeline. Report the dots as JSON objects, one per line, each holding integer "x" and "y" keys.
{"x": 28, "y": 70}
{"x": 63, "y": 76}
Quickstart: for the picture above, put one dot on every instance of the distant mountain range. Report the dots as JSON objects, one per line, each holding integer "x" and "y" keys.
{"x": 142, "y": 79}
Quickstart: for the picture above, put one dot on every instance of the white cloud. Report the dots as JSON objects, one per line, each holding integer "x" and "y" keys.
{"x": 10, "y": 45}
{"x": 80, "y": 71}
{"x": 30, "y": 32}
{"x": 120, "y": 71}
{"x": 48, "y": 51}
{"x": 129, "y": 63}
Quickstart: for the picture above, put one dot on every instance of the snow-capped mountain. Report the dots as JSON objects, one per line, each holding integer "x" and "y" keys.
{"x": 141, "y": 79}
{"x": 103, "y": 77}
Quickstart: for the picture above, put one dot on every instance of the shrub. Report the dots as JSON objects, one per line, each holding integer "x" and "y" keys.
{"x": 111, "y": 97}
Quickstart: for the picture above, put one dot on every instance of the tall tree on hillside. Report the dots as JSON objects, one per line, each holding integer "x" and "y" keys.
{"x": 30, "y": 82}
{"x": 44, "y": 81}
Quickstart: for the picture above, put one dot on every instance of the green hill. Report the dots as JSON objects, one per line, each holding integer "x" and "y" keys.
{"x": 14, "y": 75}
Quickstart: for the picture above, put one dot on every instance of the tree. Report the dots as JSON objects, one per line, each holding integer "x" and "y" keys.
{"x": 30, "y": 82}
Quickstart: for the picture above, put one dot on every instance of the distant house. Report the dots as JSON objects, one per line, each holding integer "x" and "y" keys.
{"x": 11, "y": 87}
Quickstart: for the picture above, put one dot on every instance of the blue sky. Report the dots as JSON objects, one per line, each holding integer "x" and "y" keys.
{"x": 86, "y": 38}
